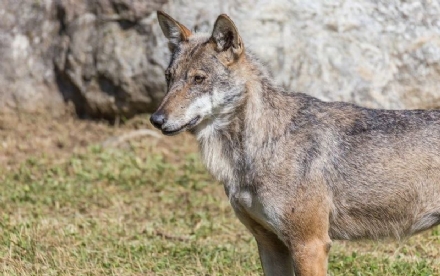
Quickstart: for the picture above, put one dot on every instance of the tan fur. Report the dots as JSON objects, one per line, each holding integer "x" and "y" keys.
{"x": 298, "y": 172}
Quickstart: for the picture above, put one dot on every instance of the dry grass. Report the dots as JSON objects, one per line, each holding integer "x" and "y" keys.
{"x": 148, "y": 207}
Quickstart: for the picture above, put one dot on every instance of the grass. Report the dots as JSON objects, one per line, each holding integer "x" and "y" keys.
{"x": 151, "y": 209}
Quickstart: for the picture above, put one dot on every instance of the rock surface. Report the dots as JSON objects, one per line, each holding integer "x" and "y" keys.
{"x": 105, "y": 62}
{"x": 107, "y": 57}
{"x": 26, "y": 54}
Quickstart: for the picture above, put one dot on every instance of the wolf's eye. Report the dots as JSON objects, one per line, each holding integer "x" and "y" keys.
{"x": 199, "y": 79}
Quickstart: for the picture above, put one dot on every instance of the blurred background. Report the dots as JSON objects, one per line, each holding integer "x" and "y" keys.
{"x": 107, "y": 57}
{"x": 87, "y": 187}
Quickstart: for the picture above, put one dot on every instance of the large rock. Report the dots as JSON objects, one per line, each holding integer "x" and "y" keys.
{"x": 97, "y": 54}
{"x": 105, "y": 61}
{"x": 108, "y": 56}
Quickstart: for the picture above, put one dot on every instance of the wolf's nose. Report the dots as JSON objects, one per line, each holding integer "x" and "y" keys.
{"x": 158, "y": 119}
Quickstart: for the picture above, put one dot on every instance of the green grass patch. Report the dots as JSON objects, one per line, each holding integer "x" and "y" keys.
{"x": 131, "y": 212}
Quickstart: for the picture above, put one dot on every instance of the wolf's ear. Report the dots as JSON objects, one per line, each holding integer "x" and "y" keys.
{"x": 226, "y": 37}
{"x": 173, "y": 30}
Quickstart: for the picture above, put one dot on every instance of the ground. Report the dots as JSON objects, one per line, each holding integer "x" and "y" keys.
{"x": 83, "y": 198}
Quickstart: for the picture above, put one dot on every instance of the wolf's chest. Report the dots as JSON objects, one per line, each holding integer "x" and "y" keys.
{"x": 224, "y": 165}
{"x": 251, "y": 209}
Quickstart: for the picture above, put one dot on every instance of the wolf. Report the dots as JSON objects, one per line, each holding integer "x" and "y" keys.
{"x": 298, "y": 172}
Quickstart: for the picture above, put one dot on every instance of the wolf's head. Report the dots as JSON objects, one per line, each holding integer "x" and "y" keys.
{"x": 203, "y": 75}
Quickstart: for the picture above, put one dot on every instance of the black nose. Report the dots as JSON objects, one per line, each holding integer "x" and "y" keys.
{"x": 158, "y": 119}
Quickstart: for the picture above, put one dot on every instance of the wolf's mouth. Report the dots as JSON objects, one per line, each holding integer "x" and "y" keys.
{"x": 189, "y": 125}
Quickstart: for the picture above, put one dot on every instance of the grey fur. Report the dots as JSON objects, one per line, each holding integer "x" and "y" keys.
{"x": 298, "y": 171}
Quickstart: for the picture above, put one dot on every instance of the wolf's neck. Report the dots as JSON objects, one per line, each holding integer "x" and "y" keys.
{"x": 231, "y": 141}
{"x": 266, "y": 109}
